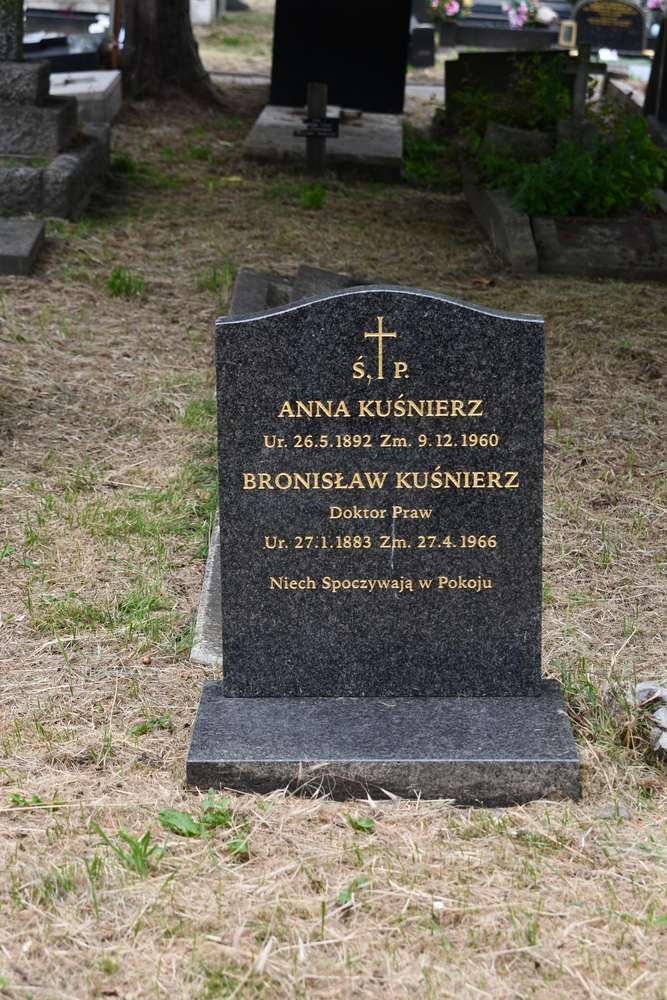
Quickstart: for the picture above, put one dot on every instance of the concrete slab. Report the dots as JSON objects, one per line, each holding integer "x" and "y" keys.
{"x": 98, "y": 92}
{"x": 20, "y": 242}
{"x": 371, "y": 142}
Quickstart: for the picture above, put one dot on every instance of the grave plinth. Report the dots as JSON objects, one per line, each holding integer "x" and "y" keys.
{"x": 378, "y": 573}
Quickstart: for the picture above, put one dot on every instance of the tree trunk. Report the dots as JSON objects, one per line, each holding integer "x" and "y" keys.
{"x": 160, "y": 53}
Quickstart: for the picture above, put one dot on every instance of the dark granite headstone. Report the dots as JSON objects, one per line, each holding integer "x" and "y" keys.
{"x": 610, "y": 24}
{"x": 380, "y": 499}
{"x": 380, "y": 464}
{"x": 359, "y": 48}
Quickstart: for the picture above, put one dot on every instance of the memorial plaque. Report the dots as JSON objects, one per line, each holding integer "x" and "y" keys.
{"x": 380, "y": 461}
{"x": 612, "y": 24}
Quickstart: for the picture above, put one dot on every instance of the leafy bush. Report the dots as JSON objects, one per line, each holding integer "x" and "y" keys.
{"x": 536, "y": 99}
{"x": 571, "y": 181}
{"x": 426, "y": 162}
{"x": 124, "y": 282}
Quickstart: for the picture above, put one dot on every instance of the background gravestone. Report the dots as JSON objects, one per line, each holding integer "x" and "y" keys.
{"x": 612, "y": 24}
{"x": 359, "y": 48}
{"x": 380, "y": 464}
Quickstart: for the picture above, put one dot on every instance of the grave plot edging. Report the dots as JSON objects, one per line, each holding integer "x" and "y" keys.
{"x": 508, "y": 229}
{"x": 64, "y": 187}
{"x": 596, "y": 250}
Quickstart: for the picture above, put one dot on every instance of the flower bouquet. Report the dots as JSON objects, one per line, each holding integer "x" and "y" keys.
{"x": 440, "y": 10}
{"x": 520, "y": 12}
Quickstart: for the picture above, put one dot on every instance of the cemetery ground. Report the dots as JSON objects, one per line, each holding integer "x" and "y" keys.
{"x": 108, "y": 493}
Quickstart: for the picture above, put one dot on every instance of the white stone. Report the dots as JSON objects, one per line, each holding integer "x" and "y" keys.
{"x": 75, "y": 6}
{"x": 98, "y": 92}
{"x": 206, "y": 12}
{"x": 368, "y": 140}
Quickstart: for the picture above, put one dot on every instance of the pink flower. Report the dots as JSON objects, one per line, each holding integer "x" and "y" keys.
{"x": 452, "y": 7}
{"x": 656, "y": 5}
{"x": 517, "y": 18}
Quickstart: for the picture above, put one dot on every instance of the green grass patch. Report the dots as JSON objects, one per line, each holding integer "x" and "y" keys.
{"x": 124, "y": 282}
{"x": 312, "y": 195}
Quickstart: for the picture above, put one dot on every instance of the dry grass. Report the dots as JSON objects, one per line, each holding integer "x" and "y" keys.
{"x": 107, "y": 492}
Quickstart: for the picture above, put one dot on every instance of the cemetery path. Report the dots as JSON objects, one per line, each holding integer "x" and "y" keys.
{"x": 107, "y": 495}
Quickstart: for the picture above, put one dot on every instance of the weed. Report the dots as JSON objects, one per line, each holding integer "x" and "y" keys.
{"x": 239, "y": 848}
{"x": 313, "y": 194}
{"x": 181, "y": 823}
{"x": 168, "y": 154}
{"x": 152, "y": 722}
{"x": 123, "y": 282}
{"x": 218, "y": 983}
{"x": 19, "y": 800}
{"x": 217, "y": 278}
{"x": 215, "y": 810}
{"x": 346, "y": 897}
{"x": 360, "y": 824}
{"x": 140, "y": 856}
{"x": 56, "y": 884}
{"x": 428, "y": 163}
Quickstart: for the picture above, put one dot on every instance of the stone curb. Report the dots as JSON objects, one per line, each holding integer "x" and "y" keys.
{"x": 508, "y": 229}
{"x": 594, "y": 248}
{"x": 64, "y": 187}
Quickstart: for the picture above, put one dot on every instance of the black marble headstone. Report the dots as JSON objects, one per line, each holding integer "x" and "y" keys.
{"x": 380, "y": 461}
{"x": 359, "y": 48}
{"x": 610, "y": 24}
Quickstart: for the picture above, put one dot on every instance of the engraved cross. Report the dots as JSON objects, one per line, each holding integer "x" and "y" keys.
{"x": 380, "y": 334}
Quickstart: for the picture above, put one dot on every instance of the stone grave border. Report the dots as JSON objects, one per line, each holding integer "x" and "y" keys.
{"x": 63, "y": 188}
{"x": 513, "y": 233}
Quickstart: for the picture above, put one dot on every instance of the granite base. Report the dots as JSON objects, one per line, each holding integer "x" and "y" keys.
{"x": 20, "y": 242}
{"x": 370, "y": 144}
{"x": 476, "y": 751}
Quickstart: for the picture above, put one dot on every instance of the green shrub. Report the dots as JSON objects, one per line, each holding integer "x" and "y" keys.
{"x": 426, "y": 162}
{"x": 537, "y": 98}
{"x": 313, "y": 195}
{"x": 124, "y": 282}
{"x": 570, "y": 181}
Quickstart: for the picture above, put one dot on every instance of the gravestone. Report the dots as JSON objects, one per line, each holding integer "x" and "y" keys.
{"x": 359, "y": 48}
{"x": 610, "y": 24}
{"x": 489, "y": 72}
{"x": 380, "y": 463}
{"x": 35, "y": 125}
